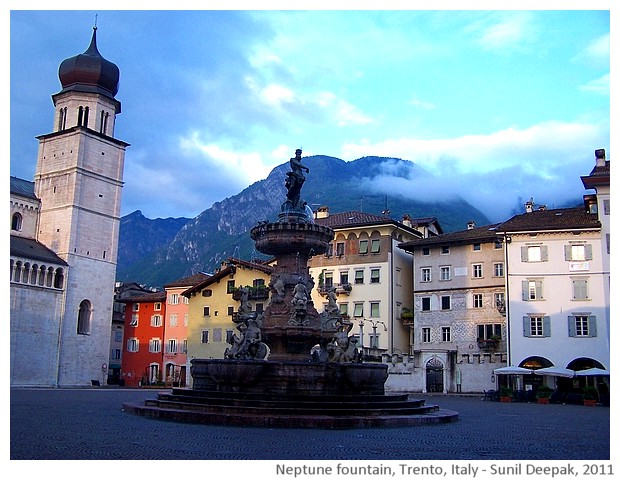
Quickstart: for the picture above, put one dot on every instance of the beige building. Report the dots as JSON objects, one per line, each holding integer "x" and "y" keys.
{"x": 459, "y": 327}
{"x": 371, "y": 276}
{"x": 213, "y": 302}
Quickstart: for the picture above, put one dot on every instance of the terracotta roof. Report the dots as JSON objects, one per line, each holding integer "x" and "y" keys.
{"x": 145, "y": 298}
{"x": 553, "y": 219}
{"x": 358, "y": 219}
{"x": 29, "y": 248}
{"x": 462, "y": 237}
{"x": 598, "y": 176}
{"x": 232, "y": 263}
{"x": 188, "y": 281}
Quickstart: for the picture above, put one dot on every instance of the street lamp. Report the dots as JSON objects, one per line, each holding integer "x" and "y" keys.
{"x": 362, "y": 337}
{"x": 374, "y": 324}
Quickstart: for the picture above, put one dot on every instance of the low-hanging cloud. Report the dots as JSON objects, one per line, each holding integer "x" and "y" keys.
{"x": 492, "y": 172}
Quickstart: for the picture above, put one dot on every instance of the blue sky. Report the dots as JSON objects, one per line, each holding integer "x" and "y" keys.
{"x": 500, "y": 105}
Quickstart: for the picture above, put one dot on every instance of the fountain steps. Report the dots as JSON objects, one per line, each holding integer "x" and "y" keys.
{"x": 291, "y": 411}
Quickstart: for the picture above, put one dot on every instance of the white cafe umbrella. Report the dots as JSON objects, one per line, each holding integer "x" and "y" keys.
{"x": 555, "y": 372}
{"x": 512, "y": 371}
{"x": 592, "y": 372}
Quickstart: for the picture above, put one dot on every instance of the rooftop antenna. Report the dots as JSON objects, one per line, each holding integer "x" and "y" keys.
{"x": 96, "y": 15}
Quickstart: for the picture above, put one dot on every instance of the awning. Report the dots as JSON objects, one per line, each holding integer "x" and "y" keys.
{"x": 555, "y": 372}
{"x": 592, "y": 372}
{"x": 513, "y": 371}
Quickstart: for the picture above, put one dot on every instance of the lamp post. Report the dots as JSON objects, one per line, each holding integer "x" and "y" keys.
{"x": 374, "y": 324}
{"x": 362, "y": 337}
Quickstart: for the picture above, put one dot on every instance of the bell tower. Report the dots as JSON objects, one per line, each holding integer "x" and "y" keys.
{"x": 79, "y": 179}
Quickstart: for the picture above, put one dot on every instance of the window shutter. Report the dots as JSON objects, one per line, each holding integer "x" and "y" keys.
{"x": 588, "y": 250}
{"x": 546, "y": 326}
{"x": 543, "y": 253}
{"x": 525, "y": 290}
{"x": 571, "y": 326}
{"x": 524, "y": 254}
{"x": 592, "y": 326}
{"x": 526, "y": 327}
{"x": 567, "y": 252}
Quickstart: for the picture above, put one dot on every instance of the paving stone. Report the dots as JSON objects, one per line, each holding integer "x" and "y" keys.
{"x": 89, "y": 424}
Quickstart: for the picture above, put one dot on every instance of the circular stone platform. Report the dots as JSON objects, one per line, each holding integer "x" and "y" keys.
{"x": 291, "y": 411}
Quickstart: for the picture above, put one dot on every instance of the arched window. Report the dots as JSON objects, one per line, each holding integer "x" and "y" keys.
{"x": 33, "y": 274}
{"x": 83, "y": 324}
{"x": 50, "y": 277}
{"x": 42, "y": 271}
{"x": 86, "y": 110}
{"x": 16, "y": 222}
{"x": 18, "y": 272}
{"x": 80, "y": 116}
{"x": 59, "y": 279}
{"x": 26, "y": 273}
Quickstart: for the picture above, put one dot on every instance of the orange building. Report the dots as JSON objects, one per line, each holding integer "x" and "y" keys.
{"x": 142, "y": 361}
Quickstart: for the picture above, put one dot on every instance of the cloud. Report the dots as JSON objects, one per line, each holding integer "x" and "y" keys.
{"x": 492, "y": 171}
{"x": 600, "y": 86}
{"x": 505, "y": 31}
{"x": 420, "y": 104}
{"x": 595, "y": 53}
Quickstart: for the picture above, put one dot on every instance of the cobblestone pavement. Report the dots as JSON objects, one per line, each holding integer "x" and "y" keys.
{"x": 69, "y": 424}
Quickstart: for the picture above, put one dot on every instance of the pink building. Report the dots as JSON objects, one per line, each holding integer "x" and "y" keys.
{"x": 175, "y": 368}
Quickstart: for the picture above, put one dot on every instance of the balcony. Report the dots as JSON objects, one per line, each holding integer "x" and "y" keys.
{"x": 255, "y": 293}
{"x": 341, "y": 289}
{"x": 407, "y": 317}
{"x": 489, "y": 344}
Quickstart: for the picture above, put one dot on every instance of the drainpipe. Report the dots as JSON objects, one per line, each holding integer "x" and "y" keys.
{"x": 63, "y": 309}
{"x": 507, "y": 241}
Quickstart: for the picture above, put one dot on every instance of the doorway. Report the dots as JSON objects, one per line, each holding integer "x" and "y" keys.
{"x": 434, "y": 376}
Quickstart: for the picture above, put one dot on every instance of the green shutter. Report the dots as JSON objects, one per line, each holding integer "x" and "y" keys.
{"x": 546, "y": 326}
{"x": 525, "y": 290}
{"x": 592, "y": 326}
{"x": 567, "y": 252}
{"x": 526, "y": 327}
{"x": 524, "y": 254}
{"x": 588, "y": 250}
{"x": 571, "y": 326}
{"x": 543, "y": 253}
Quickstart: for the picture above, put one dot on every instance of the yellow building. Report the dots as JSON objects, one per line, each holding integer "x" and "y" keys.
{"x": 213, "y": 302}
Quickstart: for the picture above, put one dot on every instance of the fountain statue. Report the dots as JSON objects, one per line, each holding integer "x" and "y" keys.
{"x": 291, "y": 365}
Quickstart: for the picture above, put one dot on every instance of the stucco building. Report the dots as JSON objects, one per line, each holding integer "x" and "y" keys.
{"x": 214, "y": 302}
{"x": 558, "y": 281}
{"x": 371, "y": 276}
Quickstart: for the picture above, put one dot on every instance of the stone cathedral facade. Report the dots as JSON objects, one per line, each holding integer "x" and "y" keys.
{"x": 64, "y": 233}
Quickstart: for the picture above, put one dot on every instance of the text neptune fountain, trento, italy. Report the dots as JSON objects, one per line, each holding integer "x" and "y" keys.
{"x": 269, "y": 377}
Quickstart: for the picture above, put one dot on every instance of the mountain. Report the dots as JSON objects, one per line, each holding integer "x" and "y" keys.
{"x": 159, "y": 251}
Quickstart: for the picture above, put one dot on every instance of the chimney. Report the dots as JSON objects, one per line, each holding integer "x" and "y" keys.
{"x": 407, "y": 221}
{"x": 600, "y": 157}
{"x": 529, "y": 206}
{"x": 471, "y": 225}
{"x": 322, "y": 212}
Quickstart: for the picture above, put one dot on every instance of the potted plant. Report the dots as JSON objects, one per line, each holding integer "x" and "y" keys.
{"x": 590, "y": 395}
{"x": 505, "y": 394}
{"x": 543, "y": 394}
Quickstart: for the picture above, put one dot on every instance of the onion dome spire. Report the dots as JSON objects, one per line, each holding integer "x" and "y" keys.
{"x": 89, "y": 72}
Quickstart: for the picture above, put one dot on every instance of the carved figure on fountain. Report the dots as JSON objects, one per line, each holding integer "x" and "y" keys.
{"x": 248, "y": 344}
